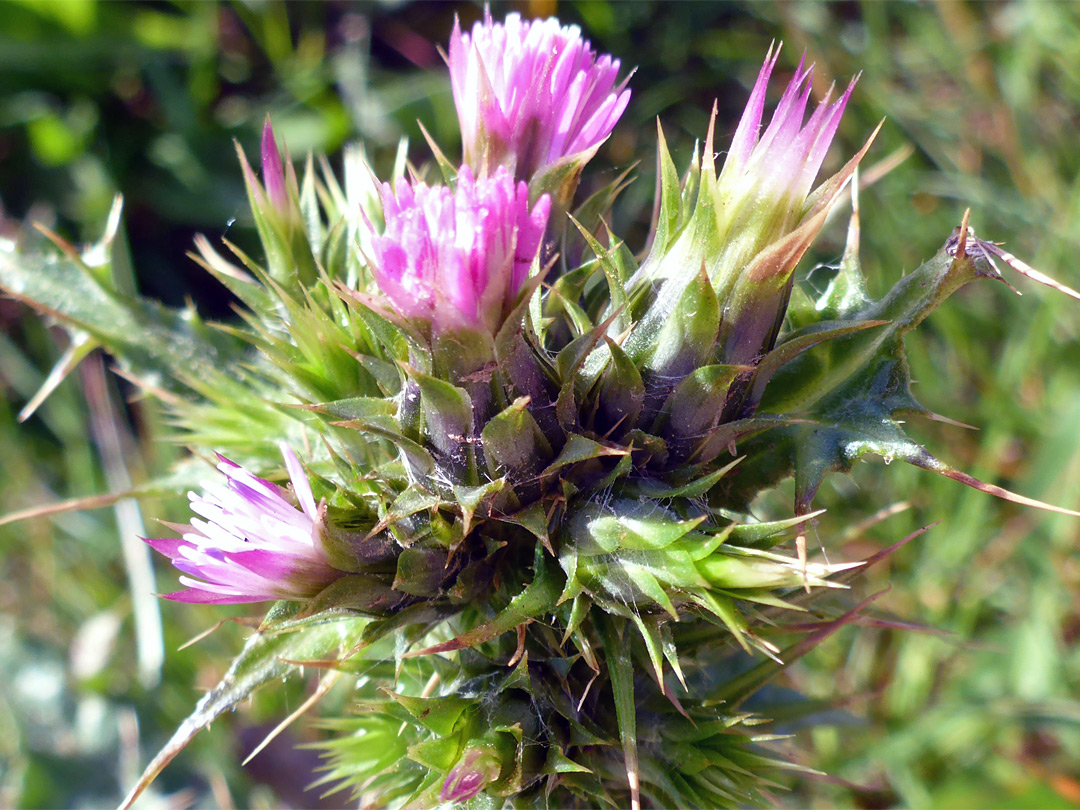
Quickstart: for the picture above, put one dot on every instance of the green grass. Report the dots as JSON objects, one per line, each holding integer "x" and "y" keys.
{"x": 986, "y": 716}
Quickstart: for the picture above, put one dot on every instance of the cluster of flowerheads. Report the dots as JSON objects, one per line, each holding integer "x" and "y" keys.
{"x": 534, "y": 524}
{"x": 526, "y": 506}
{"x": 535, "y": 103}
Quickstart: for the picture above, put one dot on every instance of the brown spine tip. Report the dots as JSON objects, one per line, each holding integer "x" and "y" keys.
{"x": 961, "y": 246}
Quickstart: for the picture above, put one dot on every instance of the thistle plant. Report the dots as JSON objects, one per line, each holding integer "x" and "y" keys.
{"x": 522, "y": 517}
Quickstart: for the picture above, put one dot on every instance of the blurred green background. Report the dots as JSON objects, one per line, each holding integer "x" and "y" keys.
{"x": 145, "y": 99}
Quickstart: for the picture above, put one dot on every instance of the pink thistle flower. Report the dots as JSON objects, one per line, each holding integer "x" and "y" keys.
{"x": 766, "y": 186}
{"x": 250, "y": 543}
{"x": 749, "y": 227}
{"x": 530, "y": 94}
{"x": 456, "y": 259}
{"x": 781, "y": 164}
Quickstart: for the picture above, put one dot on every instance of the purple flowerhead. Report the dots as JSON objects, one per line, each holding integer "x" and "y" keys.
{"x": 782, "y": 162}
{"x": 251, "y": 540}
{"x": 529, "y": 94}
{"x": 477, "y": 768}
{"x": 456, "y": 259}
{"x": 770, "y": 216}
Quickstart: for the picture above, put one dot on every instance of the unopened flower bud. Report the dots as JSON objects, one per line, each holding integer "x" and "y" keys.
{"x": 478, "y": 767}
{"x": 273, "y": 170}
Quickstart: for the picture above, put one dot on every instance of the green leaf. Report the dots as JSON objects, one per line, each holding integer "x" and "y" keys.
{"x": 470, "y": 499}
{"x": 794, "y": 344}
{"x": 578, "y": 448}
{"x": 557, "y": 762}
{"x": 813, "y": 376}
{"x": 421, "y": 571}
{"x": 616, "y": 282}
{"x": 534, "y": 519}
{"x": 621, "y": 673}
{"x": 670, "y": 208}
{"x": 695, "y": 488}
{"x": 628, "y": 525}
{"x": 359, "y": 409}
{"x": 261, "y": 661}
{"x": 688, "y": 335}
{"x": 441, "y": 714}
{"x": 438, "y": 756}
{"x": 155, "y": 343}
{"x": 697, "y": 404}
{"x": 650, "y": 634}
{"x": 758, "y": 534}
{"x": 564, "y": 295}
{"x": 448, "y": 420}
{"x": 846, "y": 292}
{"x": 363, "y": 593}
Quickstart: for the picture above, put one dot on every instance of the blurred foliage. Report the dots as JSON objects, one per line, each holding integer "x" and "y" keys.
{"x": 145, "y": 99}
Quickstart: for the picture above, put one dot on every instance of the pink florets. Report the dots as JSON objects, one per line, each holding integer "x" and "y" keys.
{"x": 474, "y": 771}
{"x": 457, "y": 258}
{"x": 273, "y": 170}
{"x": 250, "y": 542}
{"x": 531, "y": 93}
{"x": 785, "y": 159}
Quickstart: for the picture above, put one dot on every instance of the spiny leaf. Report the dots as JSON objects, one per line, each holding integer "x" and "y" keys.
{"x": 621, "y": 673}
{"x": 360, "y": 409}
{"x": 146, "y": 337}
{"x": 578, "y": 448}
{"x": 650, "y": 634}
{"x": 667, "y": 200}
{"x": 470, "y": 499}
{"x": 696, "y": 405}
{"x": 794, "y": 344}
{"x": 695, "y": 488}
{"x": 411, "y": 500}
{"x": 631, "y": 526}
{"x": 534, "y": 519}
{"x": 688, "y": 335}
{"x": 558, "y": 763}
{"x": 448, "y": 419}
{"x": 440, "y": 714}
{"x": 363, "y": 593}
{"x": 754, "y": 534}
{"x": 259, "y": 662}
{"x": 733, "y": 692}
{"x": 621, "y": 392}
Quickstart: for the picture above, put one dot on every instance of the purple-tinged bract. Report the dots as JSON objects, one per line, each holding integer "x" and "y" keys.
{"x": 251, "y": 541}
{"x": 455, "y": 259}
{"x": 474, "y": 771}
{"x": 530, "y": 94}
{"x": 273, "y": 170}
